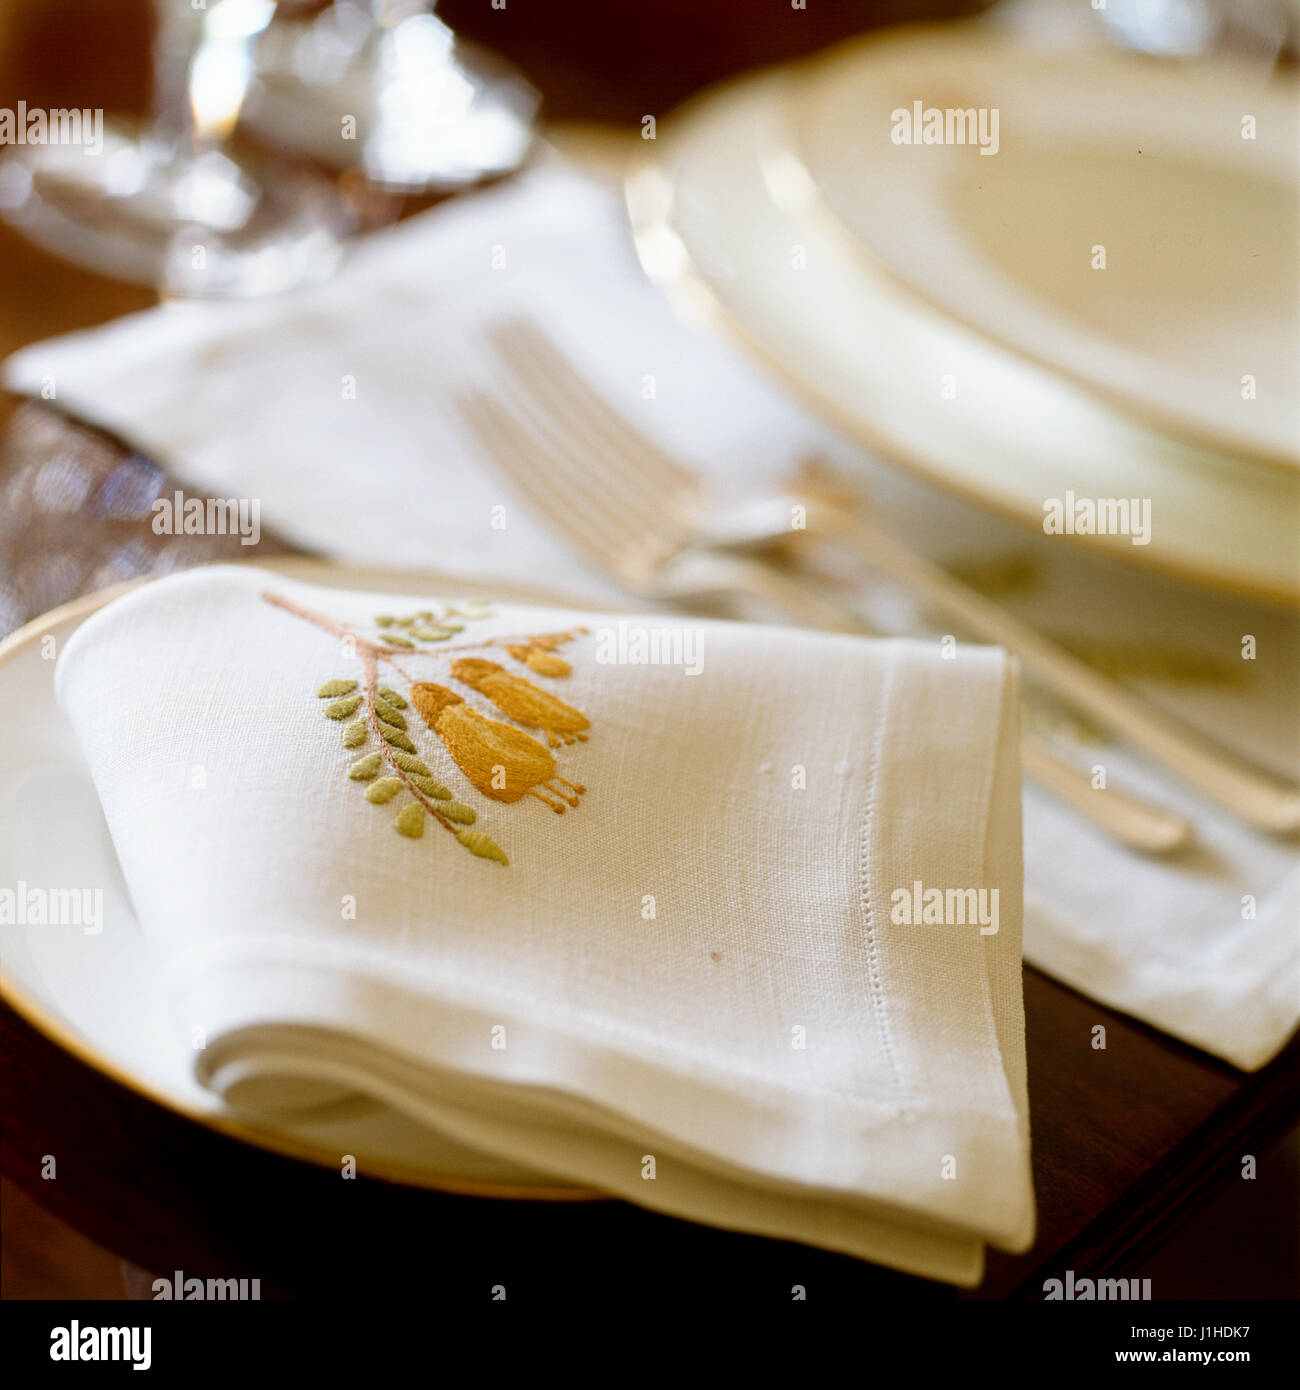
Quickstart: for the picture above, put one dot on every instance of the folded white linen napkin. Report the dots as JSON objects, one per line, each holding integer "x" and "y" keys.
{"x": 331, "y": 408}
{"x": 643, "y": 924}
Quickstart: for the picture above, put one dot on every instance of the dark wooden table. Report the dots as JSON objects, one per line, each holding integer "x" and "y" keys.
{"x": 1126, "y": 1140}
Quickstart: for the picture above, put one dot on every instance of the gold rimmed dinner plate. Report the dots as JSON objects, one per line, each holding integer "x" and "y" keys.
{"x": 726, "y": 219}
{"x": 1130, "y": 223}
{"x": 95, "y": 994}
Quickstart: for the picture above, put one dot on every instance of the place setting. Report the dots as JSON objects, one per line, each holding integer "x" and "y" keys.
{"x": 725, "y": 679}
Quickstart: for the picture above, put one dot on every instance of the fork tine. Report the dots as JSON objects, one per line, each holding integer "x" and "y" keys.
{"x": 532, "y": 470}
{"x": 551, "y": 380}
{"x": 535, "y": 357}
{"x": 562, "y": 370}
{"x": 587, "y": 472}
{"x": 518, "y": 454}
{"x": 611, "y": 465}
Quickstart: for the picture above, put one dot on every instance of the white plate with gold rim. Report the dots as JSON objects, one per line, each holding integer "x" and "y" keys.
{"x": 726, "y": 220}
{"x": 95, "y": 993}
{"x": 1091, "y": 154}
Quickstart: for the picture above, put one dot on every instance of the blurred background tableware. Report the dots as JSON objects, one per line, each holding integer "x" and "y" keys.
{"x": 1258, "y": 31}
{"x": 166, "y": 202}
{"x": 379, "y": 90}
{"x": 1134, "y": 230}
{"x": 731, "y": 222}
{"x": 384, "y": 86}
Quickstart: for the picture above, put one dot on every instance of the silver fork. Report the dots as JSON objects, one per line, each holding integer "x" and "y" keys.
{"x": 554, "y": 385}
{"x": 643, "y": 538}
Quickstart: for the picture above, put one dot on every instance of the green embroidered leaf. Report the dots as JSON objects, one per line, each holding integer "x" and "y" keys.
{"x": 395, "y": 641}
{"x": 355, "y": 734}
{"x": 478, "y": 843}
{"x": 383, "y": 790}
{"x": 410, "y": 821}
{"x": 434, "y": 634}
{"x": 396, "y": 737}
{"x": 409, "y": 764}
{"x": 330, "y": 689}
{"x": 388, "y": 714}
{"x": 425, "y": 613}
{"x": 340, "y": 709}
{"x": 365, "y": 768}
{"x": 392, "y": 697}
{"x": 476, "y": 608}
{"x": 384, "y": 620}
{"x": 405, "y": 622}
{"x": 460, "y": 813}
{"x": 453, "y": 627}
{"x": 431, "y": 787}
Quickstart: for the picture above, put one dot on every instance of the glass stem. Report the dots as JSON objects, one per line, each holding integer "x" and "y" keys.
{"x": 176, "y": 39}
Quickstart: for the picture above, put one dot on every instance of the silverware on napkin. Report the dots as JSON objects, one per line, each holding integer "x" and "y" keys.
{"x": 562, "y": 403}
{"x": 635, "y": 511}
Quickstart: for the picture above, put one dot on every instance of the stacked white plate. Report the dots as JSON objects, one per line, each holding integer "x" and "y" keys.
{"x": 952, "y": 308}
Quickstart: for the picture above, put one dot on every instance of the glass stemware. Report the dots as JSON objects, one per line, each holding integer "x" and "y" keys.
{"x": 165, "y": 203}
{"x": 387, "y": 87}
{"x": 1248, "y": 30}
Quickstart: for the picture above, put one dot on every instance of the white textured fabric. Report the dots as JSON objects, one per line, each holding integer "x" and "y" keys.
{"x": 1205, "y": 944}
{"x": 334, "y": 406}
{"x": 246, "y": 400}
{"x": 899, "y": 1132}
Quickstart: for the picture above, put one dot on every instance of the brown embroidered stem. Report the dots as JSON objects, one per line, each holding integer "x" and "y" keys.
{"x": 365, "y": 646}
{"x": 369, "y": 683}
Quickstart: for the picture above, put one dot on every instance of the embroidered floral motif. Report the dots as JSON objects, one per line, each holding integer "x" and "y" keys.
{"x": 333, "y": 688}
{"x": 538, "y": 659}
{"x": 522, "y": 701}
{"x": 505, "y": 764}
{"x": 500, "y": 761}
